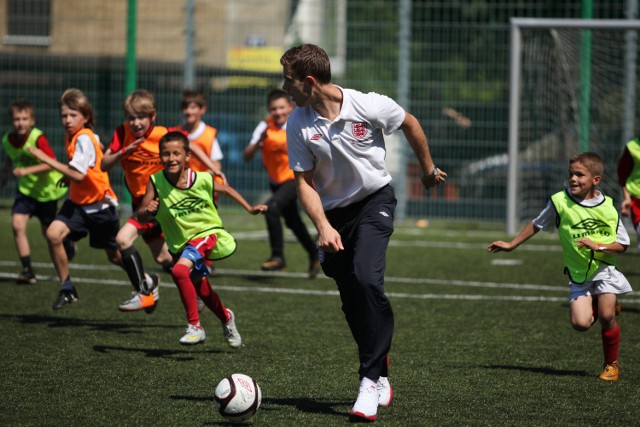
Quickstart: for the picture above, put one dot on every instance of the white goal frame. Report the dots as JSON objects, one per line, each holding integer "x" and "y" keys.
{"x": 517, "y": 24}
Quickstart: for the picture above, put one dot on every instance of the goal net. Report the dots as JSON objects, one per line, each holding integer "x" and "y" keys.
{"x": 572, "y": 89}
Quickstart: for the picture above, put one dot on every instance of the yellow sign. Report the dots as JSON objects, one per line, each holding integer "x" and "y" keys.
{"x": 263, "y": 59}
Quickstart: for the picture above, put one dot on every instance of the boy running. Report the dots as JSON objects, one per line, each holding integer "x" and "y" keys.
{"x": 181, "y": 200}
{"x": 91, "y": 206}
{"x": 591, "y": 234}
{"x": 39, "y": 186}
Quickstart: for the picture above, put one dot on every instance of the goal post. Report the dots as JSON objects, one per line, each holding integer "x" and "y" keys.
{"x": 567, "y": 93}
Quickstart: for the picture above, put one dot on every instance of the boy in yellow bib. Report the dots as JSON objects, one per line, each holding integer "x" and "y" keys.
{"x": 591, "y": 234}
{"x": 182, "y": 202}
{"x": 38, "y": 191}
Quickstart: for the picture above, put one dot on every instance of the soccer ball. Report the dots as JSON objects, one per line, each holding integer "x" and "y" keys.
{"x": 238, "y": 397}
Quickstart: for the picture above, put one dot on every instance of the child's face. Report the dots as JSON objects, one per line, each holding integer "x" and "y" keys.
{"x": 279, "y": 109}
{"x": 581, "y": 181}
{"x": 73, "y": 121}
{"x": 173, "y": 157}
{"x": 140, "y": 124}
{"x": 193, "y": 113}
{"x": 23, "y": 121}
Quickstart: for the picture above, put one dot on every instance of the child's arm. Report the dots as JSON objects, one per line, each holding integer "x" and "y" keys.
{"x": 63, "y": 168}
{"x": 148, "y": 205}
{"x": 214, "y": 167}
{"x": 110, "y": 158}
{"x": 237, "y": 197}
{"x": 527, "y": 232}
{"x": 250, "y": 150}
{"x": 611, "y": 248}
{"x": 625, "y": 205}
{"x": 39, "y": 168}
{"x": 625, "y": 166}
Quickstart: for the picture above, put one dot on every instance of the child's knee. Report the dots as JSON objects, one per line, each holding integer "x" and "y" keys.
{"x": 180, "y": 272}
{"x": 581, "y": 325}
{"x": 114, "y": 256}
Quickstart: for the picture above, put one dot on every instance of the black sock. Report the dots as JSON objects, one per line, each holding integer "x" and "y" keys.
{"x": 26, "y": 262}
{"x": 132, "y": 264}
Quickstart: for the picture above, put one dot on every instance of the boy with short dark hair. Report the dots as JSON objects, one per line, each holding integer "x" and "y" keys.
{"x": 270, "y": 137}
{"x": 591, "y": 234}
{"x": 201, "y": 135}
{"x": 182, "y": 201}
{"x": 38, "y": 184}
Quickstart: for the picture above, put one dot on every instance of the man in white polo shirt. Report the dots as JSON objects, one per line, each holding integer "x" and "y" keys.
{"x": 337, "y": 151}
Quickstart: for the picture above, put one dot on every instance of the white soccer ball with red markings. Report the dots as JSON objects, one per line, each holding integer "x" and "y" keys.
{"x": 238, "y": 397}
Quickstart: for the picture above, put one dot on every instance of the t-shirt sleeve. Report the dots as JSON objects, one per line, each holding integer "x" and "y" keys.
{"x": 622, "y": 236}
{"x": 216, "y": 152}
{"x": 301, "y": 158}
{"x": 257, "y": 132}
{"x": 84, "y": 155}
{"x": 43, "y": 144}
{"x": 546, "y": 220}
{"x": 389, "y": 114}
{"x": 117, "y": 140}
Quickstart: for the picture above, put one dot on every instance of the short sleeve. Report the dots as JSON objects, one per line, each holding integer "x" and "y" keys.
{"x": 84, "y": 155}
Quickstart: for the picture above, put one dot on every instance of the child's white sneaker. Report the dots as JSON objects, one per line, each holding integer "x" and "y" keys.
{"x": 195, "y": 334}
{"x": 230, "y": 331}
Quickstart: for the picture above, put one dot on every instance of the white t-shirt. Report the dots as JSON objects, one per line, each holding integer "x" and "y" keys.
{"x": 216, "y": 152}
{"x": 346, "y": 154}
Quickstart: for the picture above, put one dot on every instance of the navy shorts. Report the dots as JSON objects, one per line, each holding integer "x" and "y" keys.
{"x": 102, "y": 227}
{"x": 44, "y": 211}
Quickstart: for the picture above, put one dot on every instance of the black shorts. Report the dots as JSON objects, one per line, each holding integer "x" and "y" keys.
{"x": 102, "y": 226}
{"x": 44, "y": 211}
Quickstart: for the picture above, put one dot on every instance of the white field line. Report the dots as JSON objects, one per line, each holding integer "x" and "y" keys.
{"x": 334, "y": 293}
{"x": 261, "y": 235}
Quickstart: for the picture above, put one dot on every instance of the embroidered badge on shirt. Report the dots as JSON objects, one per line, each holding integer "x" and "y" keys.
{"x": 359, "y": 130}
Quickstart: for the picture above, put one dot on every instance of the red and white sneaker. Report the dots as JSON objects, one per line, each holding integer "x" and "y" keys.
{"x": 385, "y": 392}
{"x": 366, "y": 406}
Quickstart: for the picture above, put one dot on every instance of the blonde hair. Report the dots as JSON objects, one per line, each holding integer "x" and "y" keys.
{"x": 76, "y": 100}
{"x": 140, "y": 102}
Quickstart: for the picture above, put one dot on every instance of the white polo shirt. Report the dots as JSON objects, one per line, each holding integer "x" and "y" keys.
{"x": 346, "y": 154}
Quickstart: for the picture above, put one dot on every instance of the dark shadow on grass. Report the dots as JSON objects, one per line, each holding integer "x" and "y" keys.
{"x": 540, "y": 370}
{"x": 261, "y": 279}
{"x": 60, "y": 322}
{"x": 303, "y": 404}
{"x": 181, "y": 355}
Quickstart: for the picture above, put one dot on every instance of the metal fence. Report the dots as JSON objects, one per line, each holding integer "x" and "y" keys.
{"x": 447, "y": 62}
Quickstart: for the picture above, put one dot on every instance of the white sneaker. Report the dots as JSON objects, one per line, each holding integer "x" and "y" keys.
{"x": 366, "y": 406}
{"x": 194, "y": 335}
{"x": 230, "y": 331}
{"x": 385, "y": 392}
{"x": 138, "y": 301}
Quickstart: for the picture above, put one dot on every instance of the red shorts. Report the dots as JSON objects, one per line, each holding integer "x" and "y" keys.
{"x": 149, "y": 231}
{"x": 204, "y": 245}
{"x": 197, "y": 251}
